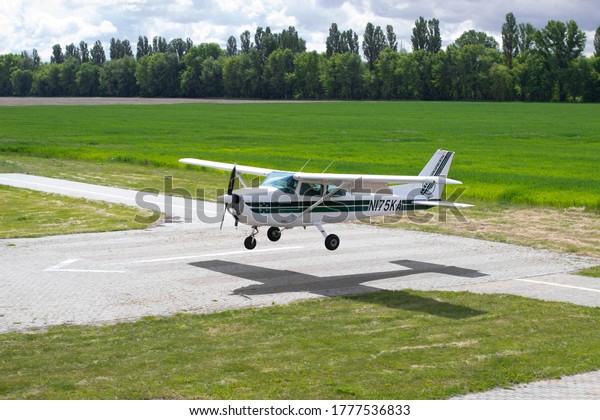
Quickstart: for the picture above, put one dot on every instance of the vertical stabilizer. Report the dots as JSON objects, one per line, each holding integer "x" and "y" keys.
{"x": 438, "y": 165}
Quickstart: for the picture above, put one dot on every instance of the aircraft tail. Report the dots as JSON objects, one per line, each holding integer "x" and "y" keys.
{"x": 438, "y": 165}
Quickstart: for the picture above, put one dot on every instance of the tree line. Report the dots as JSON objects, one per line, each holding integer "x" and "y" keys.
{"x": 531, "y": 64}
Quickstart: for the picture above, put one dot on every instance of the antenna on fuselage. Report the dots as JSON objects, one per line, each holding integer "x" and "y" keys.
{"x": 303, "y": 166}
{"x": 325, "y": 170}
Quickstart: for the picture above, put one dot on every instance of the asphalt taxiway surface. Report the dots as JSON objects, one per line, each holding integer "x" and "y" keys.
{"x": 195, "y": 267}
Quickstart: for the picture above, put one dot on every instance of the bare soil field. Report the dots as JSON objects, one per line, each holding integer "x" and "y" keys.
{"x": 40, "y": 101}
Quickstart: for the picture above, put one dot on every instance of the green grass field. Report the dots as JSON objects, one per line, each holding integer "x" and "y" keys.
{"x": 538, "y": 154}
{"x": 27, "y": 214}
{"x": 387, "y": 345}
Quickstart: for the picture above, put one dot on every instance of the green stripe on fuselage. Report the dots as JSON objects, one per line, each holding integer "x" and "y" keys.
{"x": 328, "y": 206}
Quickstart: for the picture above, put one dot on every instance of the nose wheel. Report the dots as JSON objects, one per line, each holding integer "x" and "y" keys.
{"x": 250, "y": 241}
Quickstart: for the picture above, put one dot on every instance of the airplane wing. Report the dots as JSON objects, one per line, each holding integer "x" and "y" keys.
{"x": 240, "y": 169}
{"x": 374, "y": 179}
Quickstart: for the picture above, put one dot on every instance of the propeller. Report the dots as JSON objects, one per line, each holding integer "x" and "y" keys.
{"x": 231, "y": 198}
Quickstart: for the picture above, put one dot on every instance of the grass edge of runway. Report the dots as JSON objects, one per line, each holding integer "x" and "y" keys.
{"x": 385, "y": 345}
{"x": 28, "y": 214}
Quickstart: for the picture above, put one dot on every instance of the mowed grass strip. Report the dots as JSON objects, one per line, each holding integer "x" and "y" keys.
{"x": 537, "y": 154}
{"x": 386, "y": 345}
{"x": 27, "y": 213}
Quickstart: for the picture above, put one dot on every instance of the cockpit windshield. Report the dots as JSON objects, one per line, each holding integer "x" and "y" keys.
{"x": 283, "y": 181}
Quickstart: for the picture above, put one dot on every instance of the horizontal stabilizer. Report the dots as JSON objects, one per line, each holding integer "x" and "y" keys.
{"x": 443, "y": 204}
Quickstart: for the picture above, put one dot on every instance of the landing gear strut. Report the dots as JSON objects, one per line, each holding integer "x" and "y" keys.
{"x": 331, "y": 241}
{"x": 250, "y": 241}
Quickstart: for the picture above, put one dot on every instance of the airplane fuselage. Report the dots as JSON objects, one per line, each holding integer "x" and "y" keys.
{"x": 268, "y": 206}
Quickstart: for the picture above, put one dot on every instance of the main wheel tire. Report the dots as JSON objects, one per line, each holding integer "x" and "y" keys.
{"x": 250, "y": 242}
{"x": 274, "y": 234}
{"x": 332, "y": 242}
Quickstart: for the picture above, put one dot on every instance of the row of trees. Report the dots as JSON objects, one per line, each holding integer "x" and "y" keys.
{"x": 531, "y": 65}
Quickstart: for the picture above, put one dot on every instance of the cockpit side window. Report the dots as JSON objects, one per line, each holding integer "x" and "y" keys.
{"x": 310, "y": 189}
{"x": 338, "y": 193}
{"x": 283, "y": 181}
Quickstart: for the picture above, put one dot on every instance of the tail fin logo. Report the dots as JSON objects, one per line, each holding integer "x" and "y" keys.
{"x": 429, "y": 187}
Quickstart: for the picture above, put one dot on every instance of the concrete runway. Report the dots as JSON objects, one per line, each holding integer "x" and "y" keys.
{"x": 194, "y": 267}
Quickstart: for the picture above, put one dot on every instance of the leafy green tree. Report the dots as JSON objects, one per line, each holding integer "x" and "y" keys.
{"x": 474, "y": 62}
{"x": 97, "y": 54}
{"x": 118, "y": 78}
{"x": 231, "y": 46}
{"x": 501, "y": 83}
{"x": 179, "y": 47}
{"x": 533, "y": 80}
{"x": 265, "y": 42}
{"x": 419, "y": 35}
{"x": 68, "y": 73}
{"x": 407, "y": 73}
{"x": 510, "y": 39}
{"x": 232, "y": 76}
{"x": 71, "y": 51}
{"x": 373, "y": 44}
{"x": 246, "y": 44}
{"x": 196, "y": 80}
{"x": 597, "y": 42}
{"x": 157, "y": 75}
{"x": 21, "y": 81}
{"x": 392, "y": 44}
{"x": 289, "y": 39}
{"x": 307, "y": 76}
{"x": 332, "y": 44}
{"x": 279, "y": 73}
{"x": 386, "y": 74}
{"x": 342, "y": 76}
{"x": 8, "y": 64}
{"x": 473, "y": 37}
{"x": 84, "y": 52}
{"x": 243, "y": 76}
{"x": 57, "y": 55}
{"x": 88, "y": 80}
{"x": 143, "y": 47}
{"x": 211, "y": 78}
{"x": 349, "y": 42}
{"x": 159, "y": 44}
{"x": 434, "y": 38}
{"x": 426, "y": 35}
{"x": 120, "y": 49}
{"x": 445, "y": 74}
{"x": 559, "y": 44}
{"x": 525, "y": 37}
{"x": 46, "y": 81}
{"x": 592, "y": 80}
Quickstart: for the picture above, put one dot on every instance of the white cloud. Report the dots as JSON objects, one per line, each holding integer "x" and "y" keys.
{"x": 28, "y": 24}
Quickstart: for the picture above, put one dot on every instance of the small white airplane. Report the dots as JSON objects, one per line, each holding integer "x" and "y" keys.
{"x": 291, "y": 199}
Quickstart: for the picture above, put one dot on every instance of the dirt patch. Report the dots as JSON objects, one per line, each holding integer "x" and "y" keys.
{"x": 40, "y": 101}
{"x": 571, "y": 230}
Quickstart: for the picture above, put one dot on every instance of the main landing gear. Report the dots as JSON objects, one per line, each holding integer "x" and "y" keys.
{"x": 274, "y": 234}
{"x": 331, "y": 241}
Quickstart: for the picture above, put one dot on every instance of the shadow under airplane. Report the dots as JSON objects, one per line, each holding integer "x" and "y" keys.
{"x": 285, "y": 281}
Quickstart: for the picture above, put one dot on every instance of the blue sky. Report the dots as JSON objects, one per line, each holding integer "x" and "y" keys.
{"x": 39, "y": 24}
